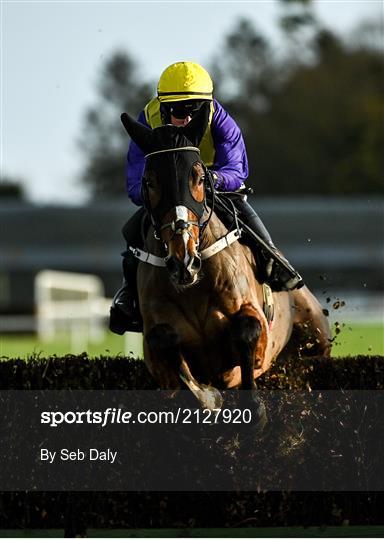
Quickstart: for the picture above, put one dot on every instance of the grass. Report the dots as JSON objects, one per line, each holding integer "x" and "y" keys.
{"x": 353, "y": 339}
{"x": 350, "y": 339}
{"x": 14, "y": 346}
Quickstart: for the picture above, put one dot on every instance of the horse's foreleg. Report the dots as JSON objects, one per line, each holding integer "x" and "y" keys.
{"x": 169, "y": 367}
{"x": 208, "y": 396}
{"x": 162, "y": 356}
{"x": 249, "y": 346}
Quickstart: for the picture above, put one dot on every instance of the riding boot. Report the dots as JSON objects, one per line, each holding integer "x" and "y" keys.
{"x": 125, "y": 313}
{"x": 271, "y": 271}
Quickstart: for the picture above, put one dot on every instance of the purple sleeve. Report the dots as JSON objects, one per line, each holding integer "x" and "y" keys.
{"x": 231, "y": 163}
{"x": 135, "y": 168}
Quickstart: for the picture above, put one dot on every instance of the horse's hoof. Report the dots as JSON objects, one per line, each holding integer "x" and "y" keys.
{"x": 210, "y": 398}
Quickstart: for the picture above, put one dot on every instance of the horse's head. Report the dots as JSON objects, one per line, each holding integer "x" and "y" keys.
{"x": 173, "y": 189}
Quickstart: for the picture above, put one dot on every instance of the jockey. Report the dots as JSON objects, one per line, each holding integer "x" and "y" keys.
{"x": 181, "y": 90}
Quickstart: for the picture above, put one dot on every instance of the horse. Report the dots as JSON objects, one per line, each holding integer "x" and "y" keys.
{"x": 201, "y": 300}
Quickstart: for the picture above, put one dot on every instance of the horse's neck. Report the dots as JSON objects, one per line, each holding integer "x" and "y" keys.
{"x": 152, "y": 244}
{"x": 212, "y": 232}
{"x": 216, "y": 230}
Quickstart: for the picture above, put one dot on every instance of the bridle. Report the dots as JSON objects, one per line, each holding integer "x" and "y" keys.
{"x": 180, "y": 225}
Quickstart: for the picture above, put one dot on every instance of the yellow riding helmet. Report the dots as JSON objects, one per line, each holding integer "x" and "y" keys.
{"x": 184, "y": 80}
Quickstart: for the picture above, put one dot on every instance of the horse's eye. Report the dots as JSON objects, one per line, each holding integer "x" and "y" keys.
{"x": 149, "y": 179}
{"x": 201, "y": 180}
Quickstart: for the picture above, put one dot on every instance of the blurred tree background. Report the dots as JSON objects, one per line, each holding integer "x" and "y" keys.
{"x": 12, "y": 188}
{"x": 311, "y": 112}
{"x": 103, "y": 141}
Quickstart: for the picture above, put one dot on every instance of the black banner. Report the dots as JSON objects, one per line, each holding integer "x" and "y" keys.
{"x": 144, "y": 441}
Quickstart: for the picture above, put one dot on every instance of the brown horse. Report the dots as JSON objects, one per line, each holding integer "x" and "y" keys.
{"x": 201, "y": 302}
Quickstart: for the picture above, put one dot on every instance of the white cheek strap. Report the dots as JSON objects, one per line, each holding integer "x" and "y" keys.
{"x": 218, "y": 246}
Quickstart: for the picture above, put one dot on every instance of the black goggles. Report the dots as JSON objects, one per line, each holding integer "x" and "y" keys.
{"x": 181, "y": 110}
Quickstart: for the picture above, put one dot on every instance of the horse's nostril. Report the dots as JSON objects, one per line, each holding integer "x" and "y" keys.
{"x": 171, "y": 264}
{"x": 179, "y": 272}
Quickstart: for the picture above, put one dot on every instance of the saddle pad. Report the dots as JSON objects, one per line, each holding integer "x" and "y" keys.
{"x": 268, "y": 305}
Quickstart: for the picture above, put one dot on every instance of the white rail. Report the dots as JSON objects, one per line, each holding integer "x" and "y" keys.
{"x": 70, "y": 302}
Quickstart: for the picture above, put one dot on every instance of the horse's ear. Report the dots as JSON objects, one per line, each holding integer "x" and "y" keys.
{"x": 195, "y": 129}
{"x": 142, "y": 135}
